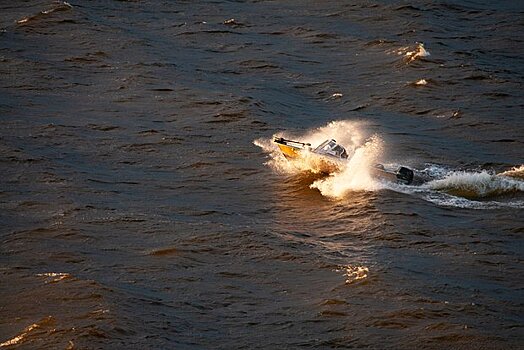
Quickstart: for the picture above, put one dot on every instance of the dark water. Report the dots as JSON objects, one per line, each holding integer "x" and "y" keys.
{"x": 136, "y": 212}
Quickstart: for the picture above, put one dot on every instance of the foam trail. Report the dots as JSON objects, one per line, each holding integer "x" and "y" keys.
{"x": 476, "y": 185}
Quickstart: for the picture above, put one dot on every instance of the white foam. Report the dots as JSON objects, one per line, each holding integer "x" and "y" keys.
{"x": 479, "y": 184}
{"x": 356, "y": 174}
{"x": 413, "y": 54}
{"x": 56, "y": 276}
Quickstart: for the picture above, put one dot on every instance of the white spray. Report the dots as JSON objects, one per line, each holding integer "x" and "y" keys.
{"x": 354, "y": 175}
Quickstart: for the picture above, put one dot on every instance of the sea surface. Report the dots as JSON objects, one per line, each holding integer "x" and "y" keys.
{"x": 143, "y": 204}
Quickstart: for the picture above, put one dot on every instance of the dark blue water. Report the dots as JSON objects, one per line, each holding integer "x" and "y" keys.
{"x": 137, "y": 211}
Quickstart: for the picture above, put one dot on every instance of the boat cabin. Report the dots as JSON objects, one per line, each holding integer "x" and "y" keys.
{"x": 331, "y": 148}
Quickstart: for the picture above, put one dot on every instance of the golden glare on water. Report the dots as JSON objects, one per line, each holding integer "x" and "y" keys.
{"x": 20, "y": 338}
{"x": 354, "y": 273}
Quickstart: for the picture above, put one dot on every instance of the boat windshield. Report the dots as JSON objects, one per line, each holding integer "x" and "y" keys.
{"x": 330, "y": 147}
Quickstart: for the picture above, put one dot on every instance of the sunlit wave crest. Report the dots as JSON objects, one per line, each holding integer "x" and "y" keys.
{"x": 412, "y": 52}
{"x": 516, "y": 172}
{"x": 354, "y": 273}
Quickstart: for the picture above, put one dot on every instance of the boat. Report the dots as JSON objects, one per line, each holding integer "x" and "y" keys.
{"x": 332, "y": 156}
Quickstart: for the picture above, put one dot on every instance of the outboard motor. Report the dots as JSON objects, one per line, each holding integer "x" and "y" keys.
{"x": 405, "y": 175}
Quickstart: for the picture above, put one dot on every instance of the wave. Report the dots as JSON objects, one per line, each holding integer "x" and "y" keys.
{"x": 411, "y": 53}
{"x": 28, "y": 331}
{"x": 61, "y": 6}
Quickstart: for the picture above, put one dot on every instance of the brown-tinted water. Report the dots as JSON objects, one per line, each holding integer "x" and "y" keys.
{"x": 144, "y": 206}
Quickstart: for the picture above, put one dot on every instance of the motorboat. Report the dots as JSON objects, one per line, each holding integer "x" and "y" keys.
{"x": 331, "y": 157}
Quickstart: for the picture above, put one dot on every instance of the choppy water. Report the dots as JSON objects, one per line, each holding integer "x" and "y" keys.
{"x": 138, "y": 210}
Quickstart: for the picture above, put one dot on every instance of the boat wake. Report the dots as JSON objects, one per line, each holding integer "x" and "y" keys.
{"x": 468, "y": 189}
{"x": 442, "y": 186}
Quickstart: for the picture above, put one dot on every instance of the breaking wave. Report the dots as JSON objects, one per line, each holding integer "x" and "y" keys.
{"x": 443, "y": 186}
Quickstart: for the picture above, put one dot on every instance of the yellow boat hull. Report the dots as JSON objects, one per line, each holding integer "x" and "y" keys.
{"x": 318, "y": 163}
{"x": 288, "y": 151}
